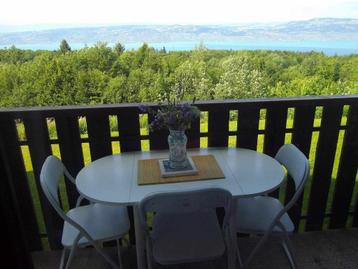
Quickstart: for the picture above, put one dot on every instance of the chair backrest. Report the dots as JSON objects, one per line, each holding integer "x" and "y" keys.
{"x": 51, "y": 173}
{"x": 296, "y": 164}
{"x": 186, "y": 202}
{"x": 297, "y": 167}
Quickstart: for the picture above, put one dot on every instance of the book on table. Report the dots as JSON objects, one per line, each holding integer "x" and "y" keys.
{"x": 206, "y": 165}
{"x": 188, "y": 169}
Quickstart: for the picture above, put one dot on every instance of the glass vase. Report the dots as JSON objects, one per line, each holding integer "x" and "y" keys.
{"x": 177, "y": 149}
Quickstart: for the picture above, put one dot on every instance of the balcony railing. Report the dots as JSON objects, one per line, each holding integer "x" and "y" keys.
{"x": 324, "y": 128}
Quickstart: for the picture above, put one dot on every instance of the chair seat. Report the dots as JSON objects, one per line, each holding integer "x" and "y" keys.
{"x": 255, "y": 215}
{"x": 186, "y": 237}
{"x": 102, "y": 222}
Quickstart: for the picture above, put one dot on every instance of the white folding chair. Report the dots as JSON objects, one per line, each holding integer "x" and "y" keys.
{"x": 92, "y": 224}
{"x": 266, "y": 215}
{"x": 185, "y": 226}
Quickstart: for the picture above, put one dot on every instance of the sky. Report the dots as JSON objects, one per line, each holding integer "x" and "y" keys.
{"x": 103, "y": 12}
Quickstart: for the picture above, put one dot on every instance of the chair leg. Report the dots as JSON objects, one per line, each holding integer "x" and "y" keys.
{"x": 104, "y": 255}
{"x": 239, "y": 257}
{"x": 63, "y": 258}
{"x": 255, "y": 250}
{"x": 72, "y": 253}
{"x": 233, "y": 252}
{"x": 288, "y": 249}
{"x": 119, "y": 254}
{"x": 148, "y": 251}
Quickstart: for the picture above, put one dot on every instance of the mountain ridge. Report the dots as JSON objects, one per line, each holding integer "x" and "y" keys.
{"x": 313, "y": 29}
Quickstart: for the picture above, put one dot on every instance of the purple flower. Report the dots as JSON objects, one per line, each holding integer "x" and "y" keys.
{"x": 172, "y": 116}
{"x": 171, "y": 120}
{"x": 187, "y": 115}
{"x": 186, "y": 107}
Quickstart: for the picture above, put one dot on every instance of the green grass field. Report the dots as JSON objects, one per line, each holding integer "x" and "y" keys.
{"x": 203, "y": 144}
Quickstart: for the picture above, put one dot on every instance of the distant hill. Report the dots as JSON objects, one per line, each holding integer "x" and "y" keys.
{"x": 315, "y": 29}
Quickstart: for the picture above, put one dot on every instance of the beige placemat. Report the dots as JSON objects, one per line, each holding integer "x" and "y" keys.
{"x": 149, "y": 171}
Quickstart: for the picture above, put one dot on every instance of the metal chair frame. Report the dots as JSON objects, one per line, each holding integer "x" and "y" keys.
{"x": 185, "y": 202}
{"x": 289, "y": 156}
{"x": 50, "y": 188}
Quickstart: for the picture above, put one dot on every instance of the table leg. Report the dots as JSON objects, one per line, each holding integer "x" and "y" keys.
{"x": 139, "y": 240}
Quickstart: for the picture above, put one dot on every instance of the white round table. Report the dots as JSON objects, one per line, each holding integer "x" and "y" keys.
{"x": 113, "y": 179}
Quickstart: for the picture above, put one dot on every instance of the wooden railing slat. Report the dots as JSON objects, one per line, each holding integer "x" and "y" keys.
{"x": 129, "y": 131}
{"x": 275, "y": 126}
{"x": 14, "y": 235}
{"x": 99, "y": 135}
{"x": 71, "y": 151}
{"x": 248, "y": 124}
{"x": 39, "y": 146}
{"x": 17, "y": 172}
{"x": 129, "y": 136}
{"x": 346, "y": 172}
{"x": 322, "y": 172}
{"x": 301, "y": 137}
{"x": 193, "y": 134}
{"x": 218, "y": 127}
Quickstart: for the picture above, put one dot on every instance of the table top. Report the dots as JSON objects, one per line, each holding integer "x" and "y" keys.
{"x": 113, "y": 179}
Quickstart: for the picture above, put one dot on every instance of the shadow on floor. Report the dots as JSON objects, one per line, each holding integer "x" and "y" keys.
{"x": 313, "y": 250}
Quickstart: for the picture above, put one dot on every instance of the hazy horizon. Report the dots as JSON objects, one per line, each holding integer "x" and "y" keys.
{"x": 7, "y": 28}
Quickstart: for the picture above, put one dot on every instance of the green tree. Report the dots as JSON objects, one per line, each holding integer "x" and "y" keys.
{"x": 98, "y": 74}
{"x": 240, "y": 80}
{"x": 99, "y": 57}
{"x": 193, "y": 78}
{"x": 163, "y": 50}
{"x": 116, "y": 92}
{"x": 90, "y": 86}
{"x": 64, "y": 47}
{"x": 335, "y": 75}
{"x": 119, "y": 48}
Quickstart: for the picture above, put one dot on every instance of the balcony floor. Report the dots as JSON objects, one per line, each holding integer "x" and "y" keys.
{"x": 331, "y": 249}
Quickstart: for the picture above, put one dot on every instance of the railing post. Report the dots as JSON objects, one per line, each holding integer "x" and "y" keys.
{"x": 346, "y": 173}
{"x": 40, "y": 149}
{"x": 129, "y": 136}
{"x": 218, "y": 127}
{"x": 99, "y": 135}
{"x": 12, "y": 152}
{"x": 322, "y": 172}
{"x": 15, "y": 248}
{"x": 301, "y": 137}
{"x": 71, "y": 151}
{"x": 193, "y": 134}
{"x": 248, "y": 124}
{"x": 275, "y": 128}
{"x": 129, "y": 131}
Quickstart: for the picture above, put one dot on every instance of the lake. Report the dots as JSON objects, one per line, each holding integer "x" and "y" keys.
{"x": 344, "y": 47}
